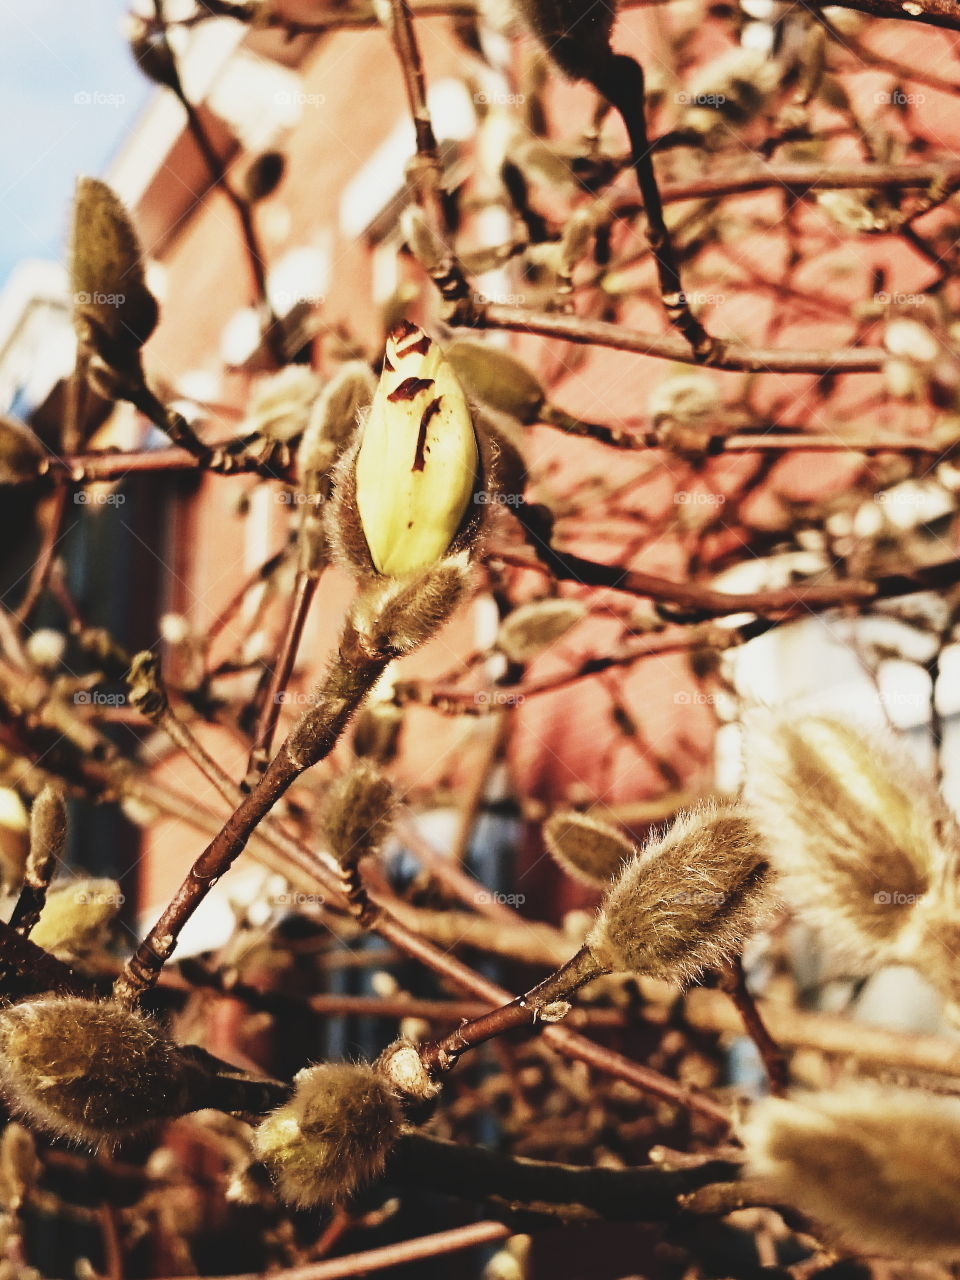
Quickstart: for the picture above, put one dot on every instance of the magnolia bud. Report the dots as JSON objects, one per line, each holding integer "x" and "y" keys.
{"x": 377, "y": 732}
{"x": 687, "y": 901}
{"x": 114, "y": 312}
{"x": 418, "y": 463}
{"x": 533, "y": 627}
{"x": 76, "y": 916}
{"x": 89, "y": 1070}
{"x": 586, "y": 848}
{"x": 334, "y": 417}
{"x": 875, "y": 1168}
{"x": 854, "y": 831}
{"x": 497, "y": 378}
{"x": 358, "y": 811}
{"x": 332, "y": 1137}
{"x": 48, "y": 833}
{"x": 280, "y": 404}
{"x": 20, "y": 1168}
{"x": 46, "y": 647}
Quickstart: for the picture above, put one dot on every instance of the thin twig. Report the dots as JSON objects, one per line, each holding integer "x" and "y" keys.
{"x": 728, "y": 355}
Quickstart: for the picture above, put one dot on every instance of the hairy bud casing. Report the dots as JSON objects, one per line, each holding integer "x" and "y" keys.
{"x": 586, "y": 848}
{"x": 332, "y": 1137}
{"x": 688, "y": 901}
{"x": 92, "y": 1071}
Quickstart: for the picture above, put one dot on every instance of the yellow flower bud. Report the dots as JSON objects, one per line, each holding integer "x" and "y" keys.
{"x": 418, "y": 461}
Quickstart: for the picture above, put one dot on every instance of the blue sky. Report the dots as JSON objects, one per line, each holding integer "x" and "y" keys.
{"x": 69, "y": 92}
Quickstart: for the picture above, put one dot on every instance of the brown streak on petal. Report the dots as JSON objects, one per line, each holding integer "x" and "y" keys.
{"x": 409, "y": 388}
{"x": 422, "y": 345}
{"x": 403, "y": 329}
{"x": 419, "y": 459}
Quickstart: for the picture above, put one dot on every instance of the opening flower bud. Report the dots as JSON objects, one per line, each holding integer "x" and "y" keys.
{"x": 418, "y": 462}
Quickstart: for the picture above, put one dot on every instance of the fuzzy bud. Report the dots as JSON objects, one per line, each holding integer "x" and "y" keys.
{"x": 334, "y": 417}
{"x": 20, "y": 1167}
{"x": 332, "y": 1137}
{"x": 91, "y": 1071}
{"x": 76, "y": 916}
{"x": 279, "y": 406}
{"x": 425, "y": 245}
{"x": 114, "y": 313}
{"x": 358, "y": 813}
{"x": 687, "y": 901}
{"x": 876, "y": 1169}
{"x": 20, "y": 452}
{"x": 575, "y": 241}
{"x": 497, "y": 378}
{"x": 854, "y": 831}
{"x": 533, "y": 627}
{"x": 377, "y": 733}
{"x": 48, "y": 832}
{"x": 417, "y": 465}
{"x": 586, "y": 848}
{"x": 395, "y": 616}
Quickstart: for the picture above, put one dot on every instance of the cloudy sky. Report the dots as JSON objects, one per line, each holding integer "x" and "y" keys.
{"x": 68, "y": 93}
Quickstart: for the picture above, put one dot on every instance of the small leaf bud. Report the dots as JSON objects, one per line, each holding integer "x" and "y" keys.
{"x": 586, "y": 848}
{"x": 533, "y": 627}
